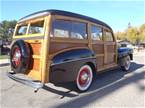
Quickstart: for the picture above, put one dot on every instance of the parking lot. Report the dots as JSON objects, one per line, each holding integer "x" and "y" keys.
{"x": 111, "y": 89}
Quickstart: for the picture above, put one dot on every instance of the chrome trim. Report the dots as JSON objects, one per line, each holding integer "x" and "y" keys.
{"x": 32, "y": 83}
{"x": 53, "y": 64}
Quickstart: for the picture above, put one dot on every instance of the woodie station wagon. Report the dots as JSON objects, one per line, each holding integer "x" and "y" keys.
{"x": 58, "y": 46}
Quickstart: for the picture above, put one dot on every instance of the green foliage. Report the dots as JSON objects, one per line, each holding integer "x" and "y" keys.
{"x": 7, "y": 29}
{"x": 142, "y": 33}
{"x": 132, "y": 34}
{"x": 4, "y": 57}
{"x": 121, "y": 36}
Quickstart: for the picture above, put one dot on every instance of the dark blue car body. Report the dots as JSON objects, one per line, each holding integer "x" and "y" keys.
{"x": 124, "y": 51}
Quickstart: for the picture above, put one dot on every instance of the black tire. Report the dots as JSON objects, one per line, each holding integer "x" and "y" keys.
{"x": 20, "y": 56}
{"x": 84, "y": 78}
{"x": 125, "y": 63}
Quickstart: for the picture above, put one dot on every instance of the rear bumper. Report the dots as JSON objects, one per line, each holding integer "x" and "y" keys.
{"x": 32, "y": 83}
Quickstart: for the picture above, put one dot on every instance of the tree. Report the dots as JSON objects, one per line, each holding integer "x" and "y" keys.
{"x": 120, "y": 35}
{"x": 7, "y": 29}
{"x": 133, "y": 34}
{"x": 142, "y": 32}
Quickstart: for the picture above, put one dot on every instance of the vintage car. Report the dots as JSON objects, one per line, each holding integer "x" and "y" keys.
{"x": 58, "y": 46}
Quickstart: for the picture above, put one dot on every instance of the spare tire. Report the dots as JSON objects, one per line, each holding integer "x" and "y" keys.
{"x": 20, "y": 56}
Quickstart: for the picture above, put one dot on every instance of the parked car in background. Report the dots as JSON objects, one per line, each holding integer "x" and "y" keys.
{"x": 4, "y": 47}
{"x": 125, "y": 43}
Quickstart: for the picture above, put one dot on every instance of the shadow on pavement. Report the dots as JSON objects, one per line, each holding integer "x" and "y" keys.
{"x": 106, "y": 83}
{"x": 62, "y": 93}
{"x": 103, "y": 85}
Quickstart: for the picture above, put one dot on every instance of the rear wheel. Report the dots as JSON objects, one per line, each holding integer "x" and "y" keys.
{"x": 126, "y": 63}
{"x": 84, "y": 78}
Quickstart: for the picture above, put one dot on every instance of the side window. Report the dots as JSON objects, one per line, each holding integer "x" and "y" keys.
{"x": 61, "y": 28}
{"x": 36, "y": 27}
{"x": 96, "y": 33}
{"x": 108, "y": 36}
{"x": 21, "y": 30}
{"x": 78, "y": 30}
{"x": 69, "y": 29}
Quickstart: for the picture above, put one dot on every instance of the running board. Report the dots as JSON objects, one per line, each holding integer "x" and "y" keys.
{"x": 32, "y": 83}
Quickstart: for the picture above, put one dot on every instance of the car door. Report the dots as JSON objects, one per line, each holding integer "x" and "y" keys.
{"x": 98, "y": 44}
{"x": 109, "y": 49}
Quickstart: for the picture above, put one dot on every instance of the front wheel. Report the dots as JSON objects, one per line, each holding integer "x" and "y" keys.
{"x": 126, "y": 63}
{"x": 84, "y": 78}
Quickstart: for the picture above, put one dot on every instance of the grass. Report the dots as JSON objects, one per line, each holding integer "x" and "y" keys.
{"x": 4, "y": 57}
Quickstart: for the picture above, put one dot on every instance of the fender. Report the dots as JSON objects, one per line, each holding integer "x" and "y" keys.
{"x": 65, "y": 65}
{"x": 123, "y": 52}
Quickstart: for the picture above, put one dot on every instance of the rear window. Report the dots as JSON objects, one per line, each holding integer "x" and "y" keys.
{"x": 36, "y": 27}
{"x": 69, "y": 29}
{"x": 21, "y": 30}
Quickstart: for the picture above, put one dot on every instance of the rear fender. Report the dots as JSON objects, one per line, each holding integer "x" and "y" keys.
{"x": 65, "y": 65}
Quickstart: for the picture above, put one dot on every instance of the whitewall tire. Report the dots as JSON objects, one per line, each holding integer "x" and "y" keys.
{"x": 126, "y": 63}
{"x": 84, "y": 78}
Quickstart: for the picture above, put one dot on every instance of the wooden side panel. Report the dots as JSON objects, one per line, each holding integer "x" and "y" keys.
{"x": 98, "y": 48}
{"x": 56, "y": 46}
{"x": 110, "y": 48}
{"x": 36, "y": 48}
{"x": 35, "y": 64}
{"x": 59, "y": 44}
{"x": 110, "y": 56}
{"x": 100, "y": 62}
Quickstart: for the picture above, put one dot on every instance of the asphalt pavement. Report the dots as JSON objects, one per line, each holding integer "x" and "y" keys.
{"x": 110, "y": 89}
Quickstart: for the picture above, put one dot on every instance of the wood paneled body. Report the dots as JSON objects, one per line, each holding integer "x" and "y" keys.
{"x": 44, "y": 49}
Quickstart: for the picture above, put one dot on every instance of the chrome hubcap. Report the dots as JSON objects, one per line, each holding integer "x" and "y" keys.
{"x": 84, "y": 77}
{"x": 16, "y": 57}
{"x": 127, "y": 64}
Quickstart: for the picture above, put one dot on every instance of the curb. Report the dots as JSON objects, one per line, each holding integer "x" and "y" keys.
{"x": 4, "y": 62}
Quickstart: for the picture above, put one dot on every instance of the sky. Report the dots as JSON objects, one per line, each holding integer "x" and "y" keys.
{"x": 115, "y": 13}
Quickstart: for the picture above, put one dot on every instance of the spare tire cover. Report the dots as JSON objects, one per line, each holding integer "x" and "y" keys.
{"x": 20, "y": 56}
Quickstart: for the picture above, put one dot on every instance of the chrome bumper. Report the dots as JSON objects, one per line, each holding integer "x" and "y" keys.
{"x": 32, "y": 83}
